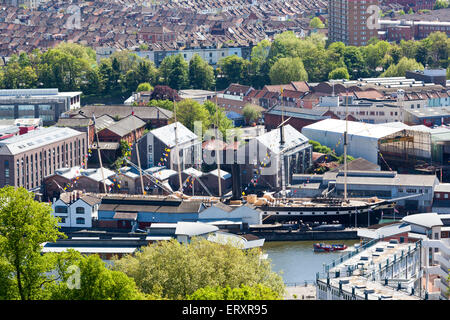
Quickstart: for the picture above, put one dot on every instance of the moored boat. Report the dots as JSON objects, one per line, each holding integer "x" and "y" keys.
{"x": 322, "y": 247}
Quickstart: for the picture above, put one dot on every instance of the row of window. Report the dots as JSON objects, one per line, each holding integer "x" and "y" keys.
{"x": 64, "y": 209}
{"x": 78, "y": 220}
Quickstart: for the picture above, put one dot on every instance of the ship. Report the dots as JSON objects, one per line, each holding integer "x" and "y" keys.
{"x": 322, "y": 247}
{"x": 329, "y": 211}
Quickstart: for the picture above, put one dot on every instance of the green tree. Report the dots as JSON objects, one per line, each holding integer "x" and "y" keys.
{"x": 251, "y": 113}
{"x": 174, "y": 71}
{"x": 218, "y": 117}
{"x": 165, "y": 104}
{"x": 339, "y": 73}
{"x": 24, "y": 225}
{"x": 201, "y": 74}
{"x": 286, "y": 70}
{"x": 399, "y": 69}
{"x": 175, "y": 270}
{"x": 259, "y": 292}
{"x": 440, "y": 4}
{"x": 354, "y": 60}
{"x": 316, "y": 23}
{"x": 189, "y": 111}
{"x": 97, "y": 282}
{"x": 144, "y": 87}
{"x": 259, "y": 68}
{"x": 232, "y": 69}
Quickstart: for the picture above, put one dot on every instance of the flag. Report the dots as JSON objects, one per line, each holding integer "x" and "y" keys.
{"x": 395, "y": 210}
{"x": 382, "y": 214}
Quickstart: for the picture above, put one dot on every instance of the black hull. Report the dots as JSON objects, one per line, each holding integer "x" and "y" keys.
{"x": 364, "y": 215}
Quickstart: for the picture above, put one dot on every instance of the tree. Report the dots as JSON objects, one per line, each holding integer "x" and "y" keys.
{"x": 97, "y": 282}
{"x": 259, "y": 68}
{"x": 164, "y": 93}
{"x": 339, "y": 73}
{"x": 232, "y": 69}
{"x": 201, "y": 74}
{"x": 218, "y": 117}
{"x": 286, "y": 70}
{"x": 399, "y": 69}
{"x": 354, "y": 60}
{"x": 440, "y": 4}
{"x": 24, "y": 225}
{"x": 164, "y": 104}
{"x": 176, "y": 270}
{"x": 174, "y": 72}
{"x": 144, "y": 87}
{"x": 316, "y": 23}
{"x": 259, "y": 292}
{"x": 189, "y": 111}
{"x": 251, "y": 113}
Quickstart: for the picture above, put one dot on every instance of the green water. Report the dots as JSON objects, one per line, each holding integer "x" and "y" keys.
{"x": 298, "y": 261}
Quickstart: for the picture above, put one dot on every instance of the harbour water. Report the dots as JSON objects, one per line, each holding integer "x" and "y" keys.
{"x": 297, "y": 259}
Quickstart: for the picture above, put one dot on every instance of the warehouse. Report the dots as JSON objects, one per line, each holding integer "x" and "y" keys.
{"x": 372, "y": 142}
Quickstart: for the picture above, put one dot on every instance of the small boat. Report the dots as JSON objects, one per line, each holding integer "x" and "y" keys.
{"x": 322, "y": 247}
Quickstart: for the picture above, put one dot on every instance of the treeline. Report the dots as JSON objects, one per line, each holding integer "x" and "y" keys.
{"x": 200, "y": 270}
{"x": 72, "y": 67}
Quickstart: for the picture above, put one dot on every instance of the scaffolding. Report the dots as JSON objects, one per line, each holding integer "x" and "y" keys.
{"x": 406, "y": 147}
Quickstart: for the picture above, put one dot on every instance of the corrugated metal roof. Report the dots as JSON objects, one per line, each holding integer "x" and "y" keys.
{"x": 167, "y": 134}
{"x": 36, "y": 139}
{"x": 354, "y": 128}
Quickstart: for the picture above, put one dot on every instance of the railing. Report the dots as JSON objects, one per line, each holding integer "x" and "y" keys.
{"x": 347, "y": 256}
{"x": 300, "y": 284}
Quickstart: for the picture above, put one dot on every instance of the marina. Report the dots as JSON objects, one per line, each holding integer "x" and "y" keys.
{"x": 298, "y": 261}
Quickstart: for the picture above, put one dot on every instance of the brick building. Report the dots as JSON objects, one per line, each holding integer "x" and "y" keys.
{"x": 349, "y": 21}
{"x": 76, "y": 178}
{"x": 25, "y": 160}
{"x": 124, "y": 129}
{"x": 298, "y": 117}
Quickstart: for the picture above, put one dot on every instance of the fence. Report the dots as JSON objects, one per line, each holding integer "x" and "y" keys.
{"x": 347, "y": 256}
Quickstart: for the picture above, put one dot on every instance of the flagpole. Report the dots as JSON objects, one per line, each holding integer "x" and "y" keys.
{"x": 100, "y": 156}
{"x": 137, "y": 151}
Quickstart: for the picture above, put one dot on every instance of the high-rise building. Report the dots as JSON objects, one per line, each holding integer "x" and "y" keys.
{"x": 353, "y": 22}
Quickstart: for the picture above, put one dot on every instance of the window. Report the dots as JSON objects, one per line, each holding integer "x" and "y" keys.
{"x": 446, "y": 195}
{"x": 80, "y": 221}
{"x": 80, "y": 210}
{"x": 63, "y": 219}
{"x": 61, "y": 209}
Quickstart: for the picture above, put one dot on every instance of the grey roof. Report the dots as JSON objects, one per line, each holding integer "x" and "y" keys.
{"x": 292, "y": 138}
{"x": 126, "y": 125}
{"x": 386, "y": 178}
{"x": 74, "y": 122}
{"x": 427, "y": 220}
{"x": 354, "y": 128}
{"x": 36, "y": 139}
{"x": 192, "y": 229}
{"x": 183, "y": 207}
{"x": 167, "y": 134}
{"x": 430, "y": 112}
{"x": 123, "y": 111}
{"x": 442, "y": 187}
{"x": 103, "y": 122}
{"x": 359, "y": 164}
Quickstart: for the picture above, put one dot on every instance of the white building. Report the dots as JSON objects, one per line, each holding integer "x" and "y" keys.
{"x": 366, "y": 140}
{"x": 436, "y": 250}
{"x": 76, "y": 210}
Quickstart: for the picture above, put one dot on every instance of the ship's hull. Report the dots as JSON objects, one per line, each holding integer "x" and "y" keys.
{"x": 365, "y": 215}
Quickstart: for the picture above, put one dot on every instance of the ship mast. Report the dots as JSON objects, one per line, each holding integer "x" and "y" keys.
{"x": 218, "y": 149}
{"x": 137, "y": 151}
{"x": 99, "y": 153}
{"x": 176, "y": 147}
{"x": 283, "y": 182}
{"x": 345, "y": 146}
